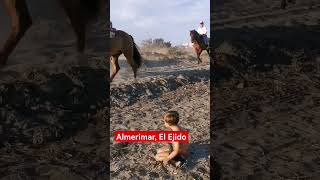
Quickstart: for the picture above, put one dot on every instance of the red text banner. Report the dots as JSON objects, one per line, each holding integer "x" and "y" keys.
{"x": 150, "y": 136}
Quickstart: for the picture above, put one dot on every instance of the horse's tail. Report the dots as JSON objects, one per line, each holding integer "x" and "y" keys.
{"x": 137, "y": 59}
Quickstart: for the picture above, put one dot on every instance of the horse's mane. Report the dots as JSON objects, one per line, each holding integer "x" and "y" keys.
{"x": 196, "y": 37}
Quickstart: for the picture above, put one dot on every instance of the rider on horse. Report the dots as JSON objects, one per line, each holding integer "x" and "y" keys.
{"x": 202, "y": 30}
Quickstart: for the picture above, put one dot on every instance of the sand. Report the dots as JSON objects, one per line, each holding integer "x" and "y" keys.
{"x": 265, "y": 94}
{"x": 165, "y": 82}
{"x": 54, "y": 109}
{"x": 265, "y": 102}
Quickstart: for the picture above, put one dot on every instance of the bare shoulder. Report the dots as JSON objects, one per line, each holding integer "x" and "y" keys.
{"x": 175, "y": 128}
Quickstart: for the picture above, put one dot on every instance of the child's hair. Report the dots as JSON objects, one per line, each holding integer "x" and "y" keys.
{"x": 171, "y": 117}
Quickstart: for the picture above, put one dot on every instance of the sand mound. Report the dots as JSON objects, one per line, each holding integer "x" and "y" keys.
{"x": 262, "y": 50}
{"x": 48, "y": 107}
{"x": 127, "y": 94}
{"x": 187, "y": 95}
{"x": 54, "y": 124}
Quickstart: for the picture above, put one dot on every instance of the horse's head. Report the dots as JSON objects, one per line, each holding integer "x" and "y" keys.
{"x": 192, "y": 32}
{"x": 193, "y": 35}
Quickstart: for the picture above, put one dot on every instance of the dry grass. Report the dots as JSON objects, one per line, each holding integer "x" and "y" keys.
{"x": 169, "y": 53}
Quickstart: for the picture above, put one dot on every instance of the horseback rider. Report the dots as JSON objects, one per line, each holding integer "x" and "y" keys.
{"x": 202, "y": 30}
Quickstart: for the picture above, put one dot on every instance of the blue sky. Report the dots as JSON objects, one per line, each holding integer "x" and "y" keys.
{"x": 167, "y": 19}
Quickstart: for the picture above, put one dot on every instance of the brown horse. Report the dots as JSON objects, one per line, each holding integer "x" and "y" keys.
{"x": 198, "y": 44}
{"x": 284, "y": 3}
{"x": 123, "y": 43}
{"x": 79, "y": 12}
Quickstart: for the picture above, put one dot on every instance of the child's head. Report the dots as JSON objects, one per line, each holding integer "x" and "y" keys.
{"x": 171, "y": 118}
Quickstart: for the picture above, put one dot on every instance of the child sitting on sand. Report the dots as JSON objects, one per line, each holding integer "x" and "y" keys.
{"x": 177, "y": 151}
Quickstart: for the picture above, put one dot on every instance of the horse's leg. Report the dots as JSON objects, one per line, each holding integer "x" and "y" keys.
{"x": 115, "y": 66}
{"x": 209, "y": 51}
{"x": 78, "y": 23}
{"x": 198, "y": 54}
{"x": 128, "y": 53}
{"x": 77, "y": 20}
{"x": 20, "y": 20}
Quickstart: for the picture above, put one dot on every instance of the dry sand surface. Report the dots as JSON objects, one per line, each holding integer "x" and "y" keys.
{"x": 53, "y": 125}
{"x": 265, "y": 96}
{"x": 53, "y": 111}
{"x": 54, "y": 108}
{"x": 165, "y": 82}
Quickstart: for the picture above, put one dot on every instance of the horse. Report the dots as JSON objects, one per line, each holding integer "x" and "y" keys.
{"x": 78, "y": 12}
{"x": 284, "y": 3}
{"x": 123, "y": 43}
{"x": 198, "y": 44}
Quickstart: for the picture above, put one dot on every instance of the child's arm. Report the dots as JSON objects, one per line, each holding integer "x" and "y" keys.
{"x": 175, "y": 151}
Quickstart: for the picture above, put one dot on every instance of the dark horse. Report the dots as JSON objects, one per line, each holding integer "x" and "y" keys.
{"x": 123, "y": 43}
{"x": 79, "y": 13}
{"x": 284, "y": 3}
{"x": 198, "y": 44}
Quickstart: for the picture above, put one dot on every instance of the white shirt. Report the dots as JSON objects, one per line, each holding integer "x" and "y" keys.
{"x": 202, "y": 30}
